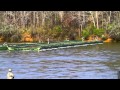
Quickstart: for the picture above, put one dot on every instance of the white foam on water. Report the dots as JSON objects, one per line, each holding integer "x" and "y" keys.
{"x": 91, "y": 44}
{"x": 42, "y": 50}
{"x": 69, "y": 46}
{"x": 54, "y": 48}
{"x": 61, "y": 47}
{"x": 84, "y": 45}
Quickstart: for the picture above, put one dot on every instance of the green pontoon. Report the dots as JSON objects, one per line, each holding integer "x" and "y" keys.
{"x": 38, "y": 46}
{"x": 2, "y": 47}
{"x": 66, "y": 43}
{"x": 24, "y": 48}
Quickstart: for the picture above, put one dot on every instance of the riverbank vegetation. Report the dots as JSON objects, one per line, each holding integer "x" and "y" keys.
{"x": 38, "y": 26}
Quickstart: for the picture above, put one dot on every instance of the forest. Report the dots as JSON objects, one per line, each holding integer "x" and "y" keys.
{"x": 38, "y": 26}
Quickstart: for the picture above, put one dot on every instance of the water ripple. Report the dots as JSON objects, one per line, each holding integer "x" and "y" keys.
{"x": 84, "y": 62}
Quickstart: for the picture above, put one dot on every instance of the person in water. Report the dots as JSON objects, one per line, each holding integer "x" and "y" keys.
{"x": 83, "y": 38}
{"x": 10, "y": 75}
{"x": 5, "y": 44}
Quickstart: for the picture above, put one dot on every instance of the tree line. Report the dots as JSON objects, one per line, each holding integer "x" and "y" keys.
{"x": 15, "y": 26}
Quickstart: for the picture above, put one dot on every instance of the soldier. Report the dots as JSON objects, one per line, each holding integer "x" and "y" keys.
{"x": 5, "y": 44}
{"x": 10, "y": 75}
{"x": 48, "y": 41}
{"x": 83, "y": 38}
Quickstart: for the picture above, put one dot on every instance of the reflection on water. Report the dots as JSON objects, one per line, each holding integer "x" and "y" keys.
{"x": 100, "y": 61}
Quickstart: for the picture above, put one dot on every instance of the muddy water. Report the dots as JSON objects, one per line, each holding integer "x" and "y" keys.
{"x": 100, "y": 61}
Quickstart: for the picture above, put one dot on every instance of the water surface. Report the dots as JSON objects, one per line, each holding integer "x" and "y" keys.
{"x": 100, "y": 61}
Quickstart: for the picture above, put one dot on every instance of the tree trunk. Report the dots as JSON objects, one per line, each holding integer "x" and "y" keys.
{"x": 97, "y": 19}
{"x": 93, "y": 18}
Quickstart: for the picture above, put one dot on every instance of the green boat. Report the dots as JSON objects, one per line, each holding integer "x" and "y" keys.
{"x": 66, "y": 43}
{"x": 2, "y": 47}
{"x": 23, "y": 48}
{"x": 38, "y": 46}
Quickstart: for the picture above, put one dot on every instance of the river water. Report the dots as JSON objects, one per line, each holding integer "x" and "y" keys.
{"x": 101, "y": 61}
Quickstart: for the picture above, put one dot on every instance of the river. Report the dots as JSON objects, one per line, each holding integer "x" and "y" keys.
{"x": 101, "y": 61}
